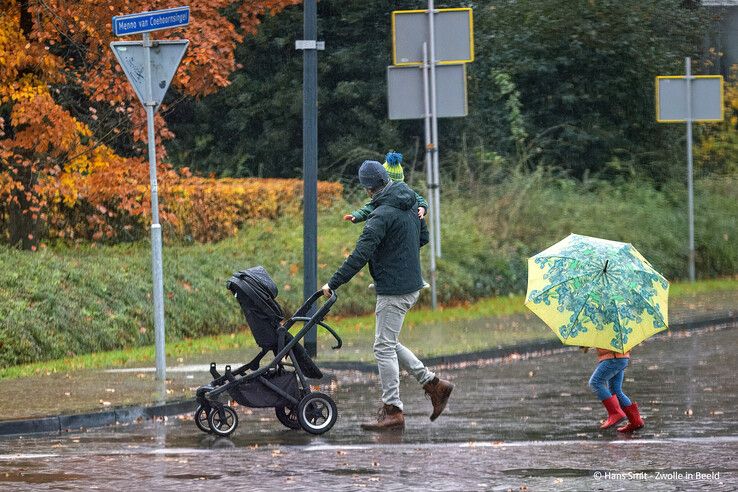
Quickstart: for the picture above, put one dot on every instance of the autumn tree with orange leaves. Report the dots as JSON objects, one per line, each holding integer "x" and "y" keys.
{"x": 72, "y": 133}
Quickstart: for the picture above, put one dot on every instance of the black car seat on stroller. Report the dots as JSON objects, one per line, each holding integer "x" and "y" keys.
{"x": 256, "y": 293}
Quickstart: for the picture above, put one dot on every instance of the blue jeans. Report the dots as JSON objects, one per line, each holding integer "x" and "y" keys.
{"x": 607, "y": 380}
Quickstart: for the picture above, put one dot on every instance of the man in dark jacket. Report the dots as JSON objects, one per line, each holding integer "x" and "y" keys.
{"x": 391, "y": 243}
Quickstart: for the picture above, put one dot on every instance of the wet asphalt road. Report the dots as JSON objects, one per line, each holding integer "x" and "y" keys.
{"x": 511, "y": 425}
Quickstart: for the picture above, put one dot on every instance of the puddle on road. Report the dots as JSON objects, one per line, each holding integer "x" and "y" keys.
{"x": 40, "y": 478}
{"x": 549, "y": 472}
{"x": 352, "y": 471}
{"x": 193, "y": 476}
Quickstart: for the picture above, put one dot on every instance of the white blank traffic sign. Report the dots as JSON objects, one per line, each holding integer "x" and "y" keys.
{"x": 453, "y": 35}
{"x": 405, "y": 92}
{"x": 671, "y": 98}
{"x": 165, "y": 58}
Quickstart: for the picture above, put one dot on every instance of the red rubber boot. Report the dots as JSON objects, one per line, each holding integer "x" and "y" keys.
{"x": 635, "y": 421}
{"x": 614, "y": 412}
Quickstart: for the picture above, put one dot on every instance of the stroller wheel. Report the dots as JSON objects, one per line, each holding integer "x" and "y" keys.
{"x": 317, "y": 413}
{"x": 201, "y": 419}
{"x": 287, "y": 415}
{"x": 223, "y": 426}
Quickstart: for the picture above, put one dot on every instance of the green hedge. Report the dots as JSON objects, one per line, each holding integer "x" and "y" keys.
{"x": 63, "y": 301}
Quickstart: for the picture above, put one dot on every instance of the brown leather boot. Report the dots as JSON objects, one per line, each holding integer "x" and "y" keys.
{"x": 438, "y": 392}
{"x": 390, "y": 418}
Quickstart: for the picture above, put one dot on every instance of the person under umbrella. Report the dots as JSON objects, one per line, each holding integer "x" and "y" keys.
{"x": 603, "y": 294}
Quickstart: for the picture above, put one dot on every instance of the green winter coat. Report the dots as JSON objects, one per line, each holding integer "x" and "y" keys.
{"x": 363, "y": 213}
{"x": 390, "y": 243}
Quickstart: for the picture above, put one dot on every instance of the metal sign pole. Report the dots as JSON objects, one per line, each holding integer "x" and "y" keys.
{"x": 156, "y": 254}
{"x": 689, "y": 99}
{"x": 435, "y": 195}
{"x": 429, "y": 174}
{"x": 310, "y": 163}
{"x": 690, "y": 184}
{"x": 167, "y": 58}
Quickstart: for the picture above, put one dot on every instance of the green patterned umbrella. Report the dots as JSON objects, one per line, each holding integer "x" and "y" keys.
{"x": 597, "y": 293}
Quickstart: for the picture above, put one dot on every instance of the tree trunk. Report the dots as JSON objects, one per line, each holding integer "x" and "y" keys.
{"x": 23, "y": 229}
{"x": 26, "y": 19}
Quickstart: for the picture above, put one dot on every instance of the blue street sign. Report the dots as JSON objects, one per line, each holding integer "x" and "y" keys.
{"x": 123, "y": 25}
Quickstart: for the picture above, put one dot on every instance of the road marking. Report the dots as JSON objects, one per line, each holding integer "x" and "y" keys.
{"x": 624, "y": 442}
{"x": 331, "y": 447}
{"x": 26, "y": 456}
{"x": 334, "y": 447}
{"x": 172, "y": 451}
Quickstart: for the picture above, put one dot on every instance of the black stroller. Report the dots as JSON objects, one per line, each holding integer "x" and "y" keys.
{"x": 280, "y": 384}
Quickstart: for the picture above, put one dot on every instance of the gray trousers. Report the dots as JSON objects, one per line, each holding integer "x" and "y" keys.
{"x": 389, "y": 352}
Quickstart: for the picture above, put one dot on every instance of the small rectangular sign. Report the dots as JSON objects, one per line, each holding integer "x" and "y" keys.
{"x": 454, "y": 36}
{"x": 124, "y": 25}
{"x": 671, "y": 98}
{"x": 405, "y": 92}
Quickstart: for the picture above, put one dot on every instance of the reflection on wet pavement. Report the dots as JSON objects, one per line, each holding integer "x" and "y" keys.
{"x": 510, "y": 424}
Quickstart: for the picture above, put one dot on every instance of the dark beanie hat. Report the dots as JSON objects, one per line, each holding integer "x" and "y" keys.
{"x": 373, "y": 175}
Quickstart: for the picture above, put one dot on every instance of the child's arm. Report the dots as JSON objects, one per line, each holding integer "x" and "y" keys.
{"x": 363, "y": 213}
{"x": 421, "y": 204}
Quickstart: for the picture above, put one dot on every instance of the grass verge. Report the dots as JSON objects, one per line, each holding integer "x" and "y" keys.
{"x": 67, "y": 301}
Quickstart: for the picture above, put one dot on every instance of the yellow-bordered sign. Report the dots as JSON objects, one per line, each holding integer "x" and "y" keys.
{"x": 705, "y": 107}
{"x": 407, "y": 44}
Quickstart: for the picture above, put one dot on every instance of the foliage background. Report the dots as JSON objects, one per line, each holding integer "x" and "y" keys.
{"x": 556, "y": 84}
{"x": 71, "y": 129}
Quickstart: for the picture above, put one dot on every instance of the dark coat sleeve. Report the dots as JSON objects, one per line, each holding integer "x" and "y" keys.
{"x": 371, "y": 236}
{"x": 423, "y": 233}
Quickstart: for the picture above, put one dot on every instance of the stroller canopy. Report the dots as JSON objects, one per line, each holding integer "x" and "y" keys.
{"x": 261, "y": 279}
{"x": 256, "y": 292}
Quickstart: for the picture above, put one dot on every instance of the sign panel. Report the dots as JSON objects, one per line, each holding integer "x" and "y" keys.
{"x": 405, "y": 92}
{"x": 671, "y": 98}
{"x": 454, "y": 38}
{"x": 123, "y": 25}
{"x": 165, "y": 58}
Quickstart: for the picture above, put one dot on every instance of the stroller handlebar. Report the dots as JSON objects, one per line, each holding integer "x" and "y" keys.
{"x": 317, "y": 317}
{"x": 313, "y": 299}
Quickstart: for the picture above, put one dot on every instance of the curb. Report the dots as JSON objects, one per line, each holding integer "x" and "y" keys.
{"x": 531, "y": 347}
{"x": 123, "y": 415}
